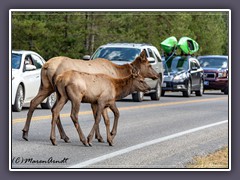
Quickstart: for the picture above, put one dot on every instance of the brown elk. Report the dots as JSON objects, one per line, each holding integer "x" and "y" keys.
{"x": 57, "y": 65}
{"x": 98, "y": 89}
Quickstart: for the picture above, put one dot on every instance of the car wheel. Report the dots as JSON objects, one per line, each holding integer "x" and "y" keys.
{"x": 157, "y": 94}
{"x": 50, "y": 102}
{"x": 162, "y": 93}
{"x": 226, "y": 90}
{"x": 138, "y": 97}
{"x": 200, "y": 92}
{"x": 187, "y": 93}
{"x": 19, "y": 100}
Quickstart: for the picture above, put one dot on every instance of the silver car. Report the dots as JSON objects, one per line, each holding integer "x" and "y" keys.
{"x": 122, "y": 53}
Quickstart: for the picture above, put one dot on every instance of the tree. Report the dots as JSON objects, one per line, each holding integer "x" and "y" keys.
{"x": 75, "y": 34}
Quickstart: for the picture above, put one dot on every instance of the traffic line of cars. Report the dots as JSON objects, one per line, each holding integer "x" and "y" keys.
{"x": 188, "y": 74}
{"x": 184, "y": 73}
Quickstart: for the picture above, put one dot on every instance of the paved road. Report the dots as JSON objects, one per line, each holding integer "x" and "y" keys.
{"x": 151, "y": 134}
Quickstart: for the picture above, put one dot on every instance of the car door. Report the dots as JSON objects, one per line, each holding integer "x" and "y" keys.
{"x": 153, "y": 62}
{"x": 29, "y": 78}
{"x": 32, "y": 78}
{"x": 195, "y": 73}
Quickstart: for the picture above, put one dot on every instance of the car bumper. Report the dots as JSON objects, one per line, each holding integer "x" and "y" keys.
{"x": 173, "y": 86}
{"x": 217, "y": 84}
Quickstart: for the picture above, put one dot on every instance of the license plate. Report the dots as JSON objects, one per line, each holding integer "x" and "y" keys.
{"x": 164, "y": 85}
{"x": 206, "y": 82}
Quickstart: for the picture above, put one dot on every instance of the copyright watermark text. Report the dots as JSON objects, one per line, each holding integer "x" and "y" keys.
{"x": 50, "y": 160}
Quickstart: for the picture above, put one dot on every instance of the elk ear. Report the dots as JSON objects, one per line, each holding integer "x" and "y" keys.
{"x": 143, "y": 56}
{"x": 135, "y": 72}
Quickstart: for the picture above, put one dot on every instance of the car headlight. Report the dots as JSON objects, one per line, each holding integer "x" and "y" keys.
{"x": 180, "y": 77}
{"x": 222, "y": 74}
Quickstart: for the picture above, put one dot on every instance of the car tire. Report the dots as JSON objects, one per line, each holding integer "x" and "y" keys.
{"x": 226, "y": 90}
{"x": 50, "y": 102}
{"x": 200, "y": 92}
{"x": 157, "y": 94}
{"x": 19, "y": 99}
{"x": 138, "y": 97}
{"x": 162, "y": 93}
{"x": 188, "y": 92}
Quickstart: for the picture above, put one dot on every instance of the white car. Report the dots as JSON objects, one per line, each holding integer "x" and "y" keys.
{"x": 26, "y": 78}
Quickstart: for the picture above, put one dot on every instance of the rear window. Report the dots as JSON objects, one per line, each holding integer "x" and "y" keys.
{"x": 117, "y": 53}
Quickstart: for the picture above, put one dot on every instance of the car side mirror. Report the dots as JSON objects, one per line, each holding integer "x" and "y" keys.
{"x": 30, "y": 67}
{"x": 151, "y": 59}
{"x": 86, "y": 57}
{"x": 194, "y": 68}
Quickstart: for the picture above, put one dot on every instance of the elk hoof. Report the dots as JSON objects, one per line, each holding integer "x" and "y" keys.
{"x": 66, "y": 139}
{"x": 85, "y": 143}
{"x": 25, "y": 135}
{"x": 89, "y": 141}
{"x": 53, "y": 142}
{"x": 101, "y": 140}
{"x": 110, "y": 143}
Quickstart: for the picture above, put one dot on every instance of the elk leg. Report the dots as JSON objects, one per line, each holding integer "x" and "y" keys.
{"x": 55, "y": 114}
{"x": 114, "y": 109}
{"x": 59, "y": 125}
{"x": 107, "y": 124}
{"x": 96, "y": 123}
{"x": 42, "y": 94}
{"x": 74, "y": 116}
{"x": 97, "y": 131}
{"x": 61, "y": 131}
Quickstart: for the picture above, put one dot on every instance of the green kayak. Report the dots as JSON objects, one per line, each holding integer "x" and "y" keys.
{"x": 188, "y": 45}
{"x": 169, "y": 44}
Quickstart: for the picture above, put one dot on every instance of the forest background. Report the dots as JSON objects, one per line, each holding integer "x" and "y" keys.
{"x": 75, "y": 34}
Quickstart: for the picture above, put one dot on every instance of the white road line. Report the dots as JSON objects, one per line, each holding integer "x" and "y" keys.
{"x": 145, "y": 144}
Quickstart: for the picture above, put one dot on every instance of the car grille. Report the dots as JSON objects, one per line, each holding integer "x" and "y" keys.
{"x": 210, "y": 75}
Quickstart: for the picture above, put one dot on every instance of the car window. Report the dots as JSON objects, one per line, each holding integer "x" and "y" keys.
{"x": 151, "y": 53}
{"x": 158, "y": 58}
{"x": 213, "y": 62}
{"x": 177, "y": 64}
{"x": 37, "y": 61}
{"x": 28, "y": 60}
{"x": 117, "y": 53}
{"x": 194, "y": 64}
{"x": 16, "y": 61}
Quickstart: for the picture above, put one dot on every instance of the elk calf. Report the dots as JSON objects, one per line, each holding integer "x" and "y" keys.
{"x": 98, "y": 89}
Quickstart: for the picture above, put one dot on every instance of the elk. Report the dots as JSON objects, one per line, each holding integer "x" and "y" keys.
{"x": 98, "y": 89}
{"x": 57, "y": 65}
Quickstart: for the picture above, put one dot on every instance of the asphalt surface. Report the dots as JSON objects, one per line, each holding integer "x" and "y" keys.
{"x": 152, "y": 134}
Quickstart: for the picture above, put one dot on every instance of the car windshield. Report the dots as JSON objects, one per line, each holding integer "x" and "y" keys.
{"x": 16, "y": 61}
{"x": 117, "y": 53}
{"x": 213, "y": 62}
{"x": 177, "y": 64}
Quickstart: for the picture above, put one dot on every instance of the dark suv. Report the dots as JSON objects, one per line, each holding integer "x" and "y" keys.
{"x": 215, "y": 72}
{"x": 184, "y": 74}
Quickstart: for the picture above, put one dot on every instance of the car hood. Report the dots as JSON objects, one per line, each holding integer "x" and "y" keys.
{"x": 173, "y": 73}
{"x": 168, "y": 76}
{"x": 207, "y": 70}
{"x": 121, "y": 62}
